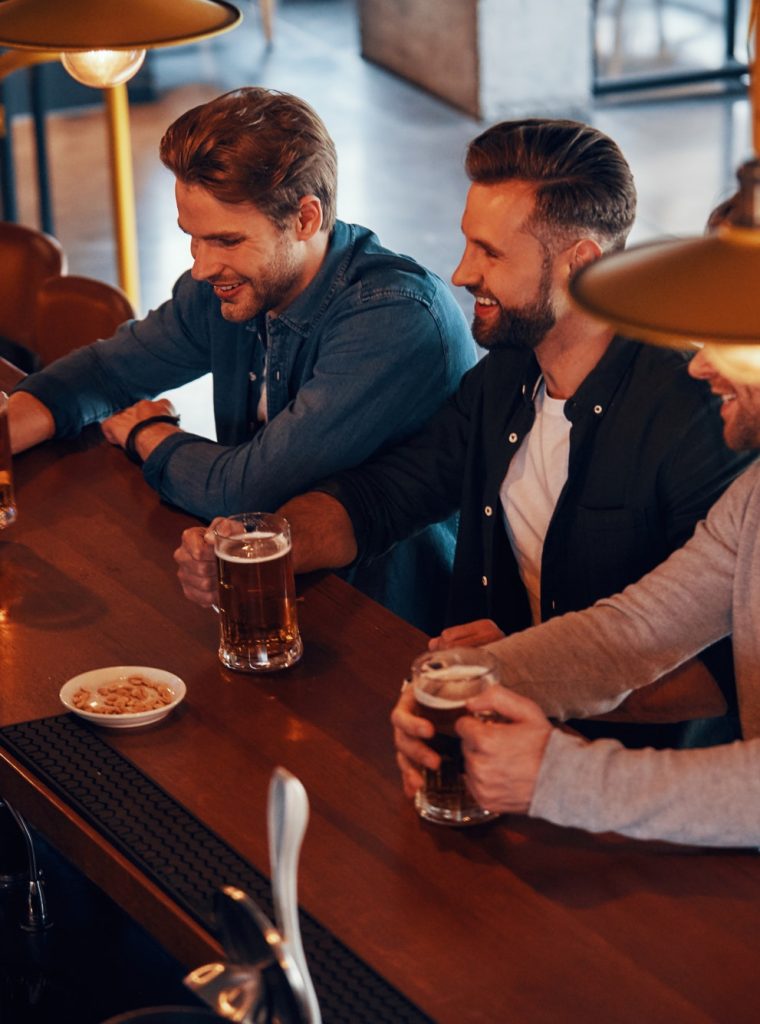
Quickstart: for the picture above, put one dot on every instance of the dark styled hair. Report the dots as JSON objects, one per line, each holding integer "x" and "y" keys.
{"x": 255, "y": 146}
{"x": 582, "y": 180}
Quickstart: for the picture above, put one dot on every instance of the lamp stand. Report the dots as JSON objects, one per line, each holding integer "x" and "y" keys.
{"x": 122, "y": 177}
{"x": 123, "y": 191}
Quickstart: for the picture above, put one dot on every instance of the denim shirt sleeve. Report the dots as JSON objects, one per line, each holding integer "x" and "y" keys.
{"x": 386, "y": 359}
{"x": 143, "y": 358}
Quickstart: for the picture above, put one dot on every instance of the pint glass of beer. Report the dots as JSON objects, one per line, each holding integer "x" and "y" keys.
{"x": 7, "y": 501}
{"x": 257, "y": 600}
{"x": 443, "y": 682}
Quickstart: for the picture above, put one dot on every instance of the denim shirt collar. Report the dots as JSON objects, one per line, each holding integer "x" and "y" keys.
{"x": 309, "y": 305}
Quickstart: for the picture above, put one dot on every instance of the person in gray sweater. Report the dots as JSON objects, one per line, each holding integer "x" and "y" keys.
{"x": 585, "y": 663}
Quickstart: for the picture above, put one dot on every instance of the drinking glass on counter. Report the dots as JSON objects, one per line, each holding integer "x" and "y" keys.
{"x": 442, "y": 682}
{"x": 7, "y": 501}
{"x": 258, "y": 622}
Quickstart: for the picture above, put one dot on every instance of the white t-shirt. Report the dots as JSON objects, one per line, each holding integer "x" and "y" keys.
{"x": 530, "y": 490}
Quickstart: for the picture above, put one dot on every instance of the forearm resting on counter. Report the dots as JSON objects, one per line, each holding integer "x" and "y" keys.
{"x": 689, "y": 691}
{"x": 30, "y": 421}
{"x": 323, "y": 536}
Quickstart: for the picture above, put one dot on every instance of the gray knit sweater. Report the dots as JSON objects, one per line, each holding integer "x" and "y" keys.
{"x": 585, "y": 663}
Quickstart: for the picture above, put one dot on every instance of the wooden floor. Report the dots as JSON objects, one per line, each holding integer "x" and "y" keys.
{"x": 400, "y": 150}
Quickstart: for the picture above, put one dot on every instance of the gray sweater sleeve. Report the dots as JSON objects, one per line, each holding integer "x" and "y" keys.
{"x": 706, "y": 797}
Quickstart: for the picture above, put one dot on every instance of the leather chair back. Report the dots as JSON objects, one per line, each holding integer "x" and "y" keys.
{"x": 73, "y": 311}
{"x": 27, "y": 258}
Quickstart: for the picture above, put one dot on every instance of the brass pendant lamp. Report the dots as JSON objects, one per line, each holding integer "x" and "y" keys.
{"x": 99, "y": 24}
{"x": 699, "y": 290}
{"x": 89, "y": 27}
{"x": 102, "y": 43}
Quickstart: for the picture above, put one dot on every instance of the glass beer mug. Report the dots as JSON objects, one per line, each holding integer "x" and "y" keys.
{"x": 7, "y": 500}
{"x": 258, "y": 624}
{"x": 443, "y": 682}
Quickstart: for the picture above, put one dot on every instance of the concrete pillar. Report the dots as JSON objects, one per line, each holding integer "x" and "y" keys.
{"x": 491, "y": 58}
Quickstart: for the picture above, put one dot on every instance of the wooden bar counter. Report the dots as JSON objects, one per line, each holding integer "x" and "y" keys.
{"x": 515, "y": 921}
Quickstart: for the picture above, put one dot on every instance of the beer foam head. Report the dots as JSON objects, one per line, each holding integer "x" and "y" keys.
{"x": 256, "y": 546}
{"x": 448, "y": 686}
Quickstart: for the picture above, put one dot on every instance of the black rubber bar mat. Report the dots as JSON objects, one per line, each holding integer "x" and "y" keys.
{"x": 186, "y": 859}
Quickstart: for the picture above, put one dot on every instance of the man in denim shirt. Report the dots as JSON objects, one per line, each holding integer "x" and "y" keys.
{"x": 324, "y": 346}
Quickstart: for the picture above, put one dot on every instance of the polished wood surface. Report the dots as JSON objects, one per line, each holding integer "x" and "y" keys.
{"x": 512, "y": 921}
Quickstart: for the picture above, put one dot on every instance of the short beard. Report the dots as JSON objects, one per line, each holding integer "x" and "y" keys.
{"x": 524, "y": 327}
{"x": 742, "y": 435}
{"x": 269, "y": 290}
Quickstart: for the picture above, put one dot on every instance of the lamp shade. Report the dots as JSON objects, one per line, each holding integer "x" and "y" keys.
{"x": 670, "y": 293}
{"x": 55, "y": 25}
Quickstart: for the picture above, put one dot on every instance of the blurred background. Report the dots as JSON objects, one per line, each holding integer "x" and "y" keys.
{"x": 665, "y": 79}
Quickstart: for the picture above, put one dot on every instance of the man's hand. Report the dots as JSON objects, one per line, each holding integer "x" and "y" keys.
{"x": 197, "y": 565}
{"x": 502, "y": 760}
{"x": 469, "y": 634}
{"x": 117, "y": 427}
{"x": 409, "y": 735}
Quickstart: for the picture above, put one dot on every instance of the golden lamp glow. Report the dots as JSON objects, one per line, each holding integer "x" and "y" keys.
{"x": 101, "y": 69}
{"x": 702, "y": 290}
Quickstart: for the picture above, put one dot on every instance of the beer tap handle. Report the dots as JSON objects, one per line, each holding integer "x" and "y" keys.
{"x": 288, "y": 815}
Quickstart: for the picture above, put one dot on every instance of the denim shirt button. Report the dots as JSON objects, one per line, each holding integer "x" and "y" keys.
{"x": 251, "y": 376}
{"x": 598, "y": 410}
{"x": 484, "y": 580}
{"x": 488, "y": 510}
{"x": 512, "y": 438}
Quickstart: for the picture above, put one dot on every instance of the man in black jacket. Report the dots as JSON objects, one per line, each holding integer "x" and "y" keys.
{"x": 578, "y": 460}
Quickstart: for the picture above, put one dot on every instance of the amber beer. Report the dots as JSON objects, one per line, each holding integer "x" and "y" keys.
{"x": 7, "y": 501}
{"x": 257, "y": 602}
{"x": 443, "y": 682}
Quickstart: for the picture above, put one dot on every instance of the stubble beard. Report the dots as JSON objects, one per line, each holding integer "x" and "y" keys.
{"x": 743, "y": 433}
{"x": 270, "y": 290}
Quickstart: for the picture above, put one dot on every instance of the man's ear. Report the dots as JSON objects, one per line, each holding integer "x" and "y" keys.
{"x": 584, "y": 252}
{"x": 309, "y": 218}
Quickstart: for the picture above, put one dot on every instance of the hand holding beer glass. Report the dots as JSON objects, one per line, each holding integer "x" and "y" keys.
{"x": 442, "y": 683}
{"x": 7, "y": 501}
{"x": 258, "y": 624}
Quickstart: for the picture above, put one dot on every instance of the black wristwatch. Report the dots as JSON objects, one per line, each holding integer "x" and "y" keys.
{"x": 130, "y": 446}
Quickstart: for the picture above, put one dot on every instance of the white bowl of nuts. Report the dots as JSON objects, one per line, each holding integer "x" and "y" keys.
{"x": 123, "y": 696}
